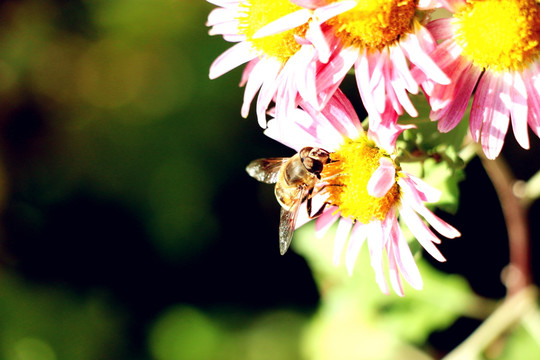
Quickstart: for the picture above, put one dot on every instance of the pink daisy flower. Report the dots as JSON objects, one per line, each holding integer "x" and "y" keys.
{"x": 366, "y": 190}
{"x": 276, "y": 63}
{"x": 492, "y": 46}
{"x": 378, "y": 38}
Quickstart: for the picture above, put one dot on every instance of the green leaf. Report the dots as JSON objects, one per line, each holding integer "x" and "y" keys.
{"x": 441, "y": 176}
{"x": 429, "y": 138}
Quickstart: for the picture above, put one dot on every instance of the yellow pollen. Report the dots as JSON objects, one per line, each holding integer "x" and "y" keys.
{"x": 375, "y": 24}
{"x": 254, "y": 14}
{"x": 499, "y": 35}
{"x": 354, "y": 163}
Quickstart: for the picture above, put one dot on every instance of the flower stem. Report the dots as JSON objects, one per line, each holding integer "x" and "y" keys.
{"x": 518, "y": 274}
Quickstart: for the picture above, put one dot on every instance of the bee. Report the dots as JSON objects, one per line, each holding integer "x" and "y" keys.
{"x": 295, "y": 179}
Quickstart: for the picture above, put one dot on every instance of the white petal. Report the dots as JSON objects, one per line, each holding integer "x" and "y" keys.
{"x": 232, "y": 58}
{"x": 284, "y": 23}
{"x": 325, "y": 221}
{"x": 342, "y": 234}
{"x": 356, "y": 240}
{"x": 376, "y": 246}
{"x": 324, "y": 13}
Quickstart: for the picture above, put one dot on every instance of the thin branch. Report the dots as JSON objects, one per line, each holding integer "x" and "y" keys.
{"x": 512, "y": 310}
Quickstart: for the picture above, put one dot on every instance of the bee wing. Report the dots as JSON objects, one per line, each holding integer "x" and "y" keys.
{"x": 287, "y": 223}
{"x": 266, "y": 170}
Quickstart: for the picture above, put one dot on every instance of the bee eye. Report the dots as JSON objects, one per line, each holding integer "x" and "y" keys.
{"x": 314, "y": 166}
{"x": 308, "y": 163}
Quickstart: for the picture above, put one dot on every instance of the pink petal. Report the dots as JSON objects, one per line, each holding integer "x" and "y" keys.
{"x": 428, "y": 4}
{"x": 377, "y": 79}
{"x": 305, "y": 59}
{"x": 399, "y": 87}
{"x": 443, "y": 95}
{"x": 491, "y": 110}
{"x": 224, "y": 3}
{"x": 325, "y": 221}
{"x": 453, "y": 113}
{"x": 437, "y": 223}
{"x": 444, "y": 55}
{"x": 332, "y": 74}
{"x": 287, "y": 91}
{"x": 441, "y": 28}
{"x": 231, "y": 58}
{"x": 452, "y": 5}
{"x": 318, "y": 39}
{"x": 400, "y": 66}
{"x": 229, "y": 28}
{"x": 321, "y": 128}
{"x": 534, "y": 122}
{"x": 519, "y": 110}
{"x": 405, "y": 260}
{"x": 421, "y": 232}
{"x": 247, "y": 71}
{"x": 386, "y": 133}
{"x": 220, "y": 16}
{"x": 292, "y": 133}
{"x": 395, "y": 279}
{"x": 254, "y": 75}
{"x": 418, "y": 56}
{"x": 342, "y": 116}
{"x": 234, "y": 37}
{"x": 531, "y": 78}
{"x": 361, "y": 71}
{"x": 382, "y": 179}
{"x": 268, "y": 90}
{"x": 392, "y": 101}
{"x": 309, "y": 4}
{"x": 419, "y": 189}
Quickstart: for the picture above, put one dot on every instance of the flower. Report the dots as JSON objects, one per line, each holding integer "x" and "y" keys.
{"x": 493, "y": 46}
{"x": 377, "y": 38}
{"x": 366, "y": 189}
{"x": 275, "y": 63}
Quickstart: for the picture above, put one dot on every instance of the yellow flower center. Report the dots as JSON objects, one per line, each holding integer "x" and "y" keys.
{"x": 499, "y": 34}
{"x": 354, "y": 164}
{"x": 254, "y": 14}
{"x": 374, "y": 24}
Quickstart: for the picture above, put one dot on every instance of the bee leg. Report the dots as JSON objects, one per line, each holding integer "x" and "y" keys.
{"x": 309, "y": 206}
{"x": 320, "y": 211}
{"x": 308, "y": 202}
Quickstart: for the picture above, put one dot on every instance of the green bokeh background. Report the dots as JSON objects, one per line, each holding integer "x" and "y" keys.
{"x": 131, "y": 231}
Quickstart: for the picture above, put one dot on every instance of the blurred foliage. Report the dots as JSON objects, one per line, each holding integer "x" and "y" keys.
{"x": 353, "y": 307}
{"x": 272, "y": 335}
{"x": 37, "y": 321}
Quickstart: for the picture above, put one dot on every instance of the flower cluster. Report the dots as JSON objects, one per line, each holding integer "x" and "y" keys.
{"x": 298, "y": 52}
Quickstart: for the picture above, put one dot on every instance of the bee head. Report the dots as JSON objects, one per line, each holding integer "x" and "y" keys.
{"x": 314, "y": 159}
